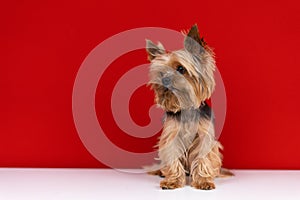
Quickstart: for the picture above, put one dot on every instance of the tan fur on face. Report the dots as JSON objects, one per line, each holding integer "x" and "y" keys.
{"x": 202, "y": 81}
{"x": 165, "y": 99}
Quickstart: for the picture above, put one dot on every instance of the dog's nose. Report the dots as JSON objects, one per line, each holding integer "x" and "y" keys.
{"x": 166, "y": 81}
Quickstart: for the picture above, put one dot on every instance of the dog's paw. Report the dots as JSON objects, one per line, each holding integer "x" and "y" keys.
{"x": 169, "y": 185}
{"x": 203, "y": 185}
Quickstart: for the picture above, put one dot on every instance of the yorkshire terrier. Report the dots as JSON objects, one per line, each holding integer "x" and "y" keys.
{"x": 182, "y": 81}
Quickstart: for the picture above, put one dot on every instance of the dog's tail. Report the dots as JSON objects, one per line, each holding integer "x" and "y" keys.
{"x": 153, "y": 169}
{"x": 225, "y": 173}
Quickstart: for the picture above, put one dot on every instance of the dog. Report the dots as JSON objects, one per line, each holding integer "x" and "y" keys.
{"x": 182, "y": 81}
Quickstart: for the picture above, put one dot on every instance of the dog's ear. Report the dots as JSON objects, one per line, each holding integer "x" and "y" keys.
{"x": 154, "y": 50}
{"x": 193, "y": 43}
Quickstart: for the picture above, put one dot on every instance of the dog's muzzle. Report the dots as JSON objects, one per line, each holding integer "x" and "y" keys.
{"x": 166, "y": 81}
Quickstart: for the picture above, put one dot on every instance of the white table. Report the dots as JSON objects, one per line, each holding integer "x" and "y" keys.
{"x": 90, "y": 184}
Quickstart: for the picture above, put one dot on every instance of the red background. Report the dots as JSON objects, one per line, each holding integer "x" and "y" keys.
{"x": 43, "y": 44}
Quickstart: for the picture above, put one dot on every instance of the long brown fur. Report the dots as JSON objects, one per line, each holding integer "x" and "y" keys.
{"x": 187, "y": 144}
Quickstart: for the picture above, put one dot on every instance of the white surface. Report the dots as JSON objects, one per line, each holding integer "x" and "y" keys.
{"x": 89, "y": 184}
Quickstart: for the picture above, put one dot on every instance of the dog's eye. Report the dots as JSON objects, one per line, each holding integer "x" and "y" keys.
{"x": 181, "y": 69}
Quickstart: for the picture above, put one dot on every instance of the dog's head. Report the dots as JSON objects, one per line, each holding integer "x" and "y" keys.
{"x": 184, "y": 78}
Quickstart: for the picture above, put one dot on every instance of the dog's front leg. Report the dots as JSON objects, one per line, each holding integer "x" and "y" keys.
{"x": 172, "y": 148}
{"x": 204, "y": 170}
{"x": 204, "y": 157}
{"x": 174, "y": 175}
